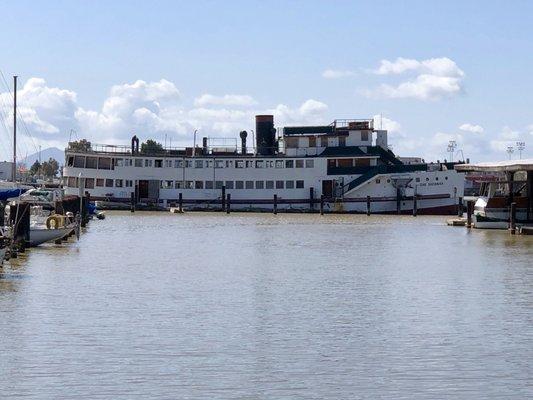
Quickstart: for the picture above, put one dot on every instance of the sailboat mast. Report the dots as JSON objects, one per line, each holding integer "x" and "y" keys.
{"x": 14, "y": 128}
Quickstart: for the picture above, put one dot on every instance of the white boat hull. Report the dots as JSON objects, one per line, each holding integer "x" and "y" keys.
{"x": 495, "y": 218}
{"x": 42, "y": 235}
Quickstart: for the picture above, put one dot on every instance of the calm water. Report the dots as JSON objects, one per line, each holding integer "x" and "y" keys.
{"x": 256, "y": 306}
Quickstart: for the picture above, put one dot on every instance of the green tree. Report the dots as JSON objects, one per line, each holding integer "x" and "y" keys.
{"x": 81, "y": 146}
{"x": 151, "y": 147}
{"x": 35, "y": 168}
{"x": 50, "y": 168}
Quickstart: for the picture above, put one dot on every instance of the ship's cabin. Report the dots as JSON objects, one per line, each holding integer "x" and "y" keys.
{"x": 314, "y": 140}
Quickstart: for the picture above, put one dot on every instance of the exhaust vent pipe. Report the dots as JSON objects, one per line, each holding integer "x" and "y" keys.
{"x": 243, "y": 136}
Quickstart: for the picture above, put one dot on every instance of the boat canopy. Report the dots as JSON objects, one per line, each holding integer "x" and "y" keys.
{"x": 10, "y": 193}
{"x": 498, "y": 166}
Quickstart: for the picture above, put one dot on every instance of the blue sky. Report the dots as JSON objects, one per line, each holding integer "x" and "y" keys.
{"x": 107, "y": 69}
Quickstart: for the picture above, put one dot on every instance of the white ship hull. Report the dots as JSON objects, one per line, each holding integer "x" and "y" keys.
{"x": 437, "y": 193}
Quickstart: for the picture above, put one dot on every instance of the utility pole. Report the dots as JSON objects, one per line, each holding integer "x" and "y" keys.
{"x": 14, "y": 128}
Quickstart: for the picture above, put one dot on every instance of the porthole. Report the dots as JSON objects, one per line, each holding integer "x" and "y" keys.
{"x": 427, "y": 179}
{"x": 446, "y": 178}
{"x": 436, "y": 178}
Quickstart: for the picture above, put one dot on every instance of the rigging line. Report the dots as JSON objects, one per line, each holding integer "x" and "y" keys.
{"x": 3, "y": 119}
{"x": 19, "y": 115}
{"x": 5, "y": 116}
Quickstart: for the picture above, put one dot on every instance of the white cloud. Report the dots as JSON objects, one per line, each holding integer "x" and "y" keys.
{"x": 387, "y": 124}
{"x": 147, "y": 109}
{"x": 508, "y": 134}
{"x": 435, "y": 78}
{"x": 310, "y": 112}
{"x": 238, "y": 100}
{"x": 434, "y": 66}
{"x": 471, "y": 128}
{"x": 399, "y": 66}
{"x": 337, "y": 73}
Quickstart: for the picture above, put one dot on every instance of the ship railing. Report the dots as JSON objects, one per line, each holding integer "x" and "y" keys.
{"x": 110, "y": 149}
{"x": 354, "y": 124}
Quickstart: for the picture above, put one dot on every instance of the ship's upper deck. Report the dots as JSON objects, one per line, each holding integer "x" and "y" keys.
{"x": 354, "y": 136}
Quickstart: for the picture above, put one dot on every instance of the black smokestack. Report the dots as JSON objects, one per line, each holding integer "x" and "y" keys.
{"x": 265, "y": 134}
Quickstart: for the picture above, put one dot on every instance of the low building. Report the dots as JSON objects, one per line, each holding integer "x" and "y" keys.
{"x": 6, "y": 171}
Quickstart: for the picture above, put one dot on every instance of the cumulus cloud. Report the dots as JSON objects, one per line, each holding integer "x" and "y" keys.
{"x": 337, "y": 73}
{"x": 310, "y": 112}
{"x": 147, "y": 109}
{"x": 387, "y": 124}
{"x": 509, "y": 134}
{"x": 433, "y": 79}
{"x": 471, "y": 128}
{"x": 43, "y": 109}
{"x": 238, "y": 100}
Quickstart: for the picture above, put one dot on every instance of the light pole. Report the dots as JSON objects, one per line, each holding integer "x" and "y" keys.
{"x": 520, "y": 146}
{"x": 253, "y": 139}
{"x": 510, "y": 151}
{"x": 194, "y": 143}
{"x": 452, "y": 145}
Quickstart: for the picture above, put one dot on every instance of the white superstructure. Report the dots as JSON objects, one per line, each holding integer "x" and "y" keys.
{"x": 346, "y": 162}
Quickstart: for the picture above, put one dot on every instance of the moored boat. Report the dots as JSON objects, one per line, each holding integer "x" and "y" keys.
{"x": 492, "y": 207}
{"x": 346, "y": 165}
{"x": 42, "y": 234}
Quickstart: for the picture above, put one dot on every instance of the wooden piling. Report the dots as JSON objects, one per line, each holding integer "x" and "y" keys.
{"x": 228, "y": 203}
{"x": 2, "y": 213}
{"x": 398, "y": 201}
{"x": 132, "y": 202}
{"x": 469, "y": 212}
{"x": 367, "y": 205}
{"x": 512, "y": 218}
{"x": 460, "y": 210}
{"x": 275, "y": 208}
{"x": 415, "y": 204}
{"x": 223, "y": 197}
{"x": 321, "y": 204}
{"x": 311, "y": 198}
{"x": 180, "y": 201}
{"x": 19, "y": 218}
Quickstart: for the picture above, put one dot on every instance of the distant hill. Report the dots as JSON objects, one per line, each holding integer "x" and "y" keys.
{"x": 52, "y": 152}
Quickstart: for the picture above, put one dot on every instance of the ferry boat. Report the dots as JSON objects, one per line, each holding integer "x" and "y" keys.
{"x": 345, "y": 166}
